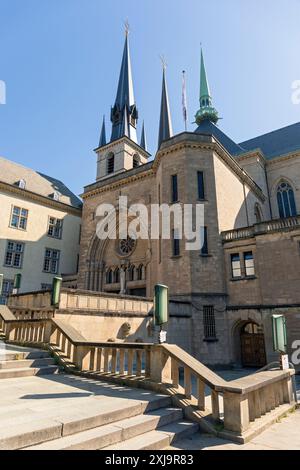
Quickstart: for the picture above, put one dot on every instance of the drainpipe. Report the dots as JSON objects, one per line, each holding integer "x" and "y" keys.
{"x": 246, "y": 206}
{"x": 268, "y": 191}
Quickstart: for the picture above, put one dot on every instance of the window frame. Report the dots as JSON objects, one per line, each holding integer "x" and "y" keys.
{"x": 286, "y": 201}
{"x": 110, "y": 157}
{"x": 6, "y": 294}
{"x": 201, "y": 194}
{"x": 20, "y": 217}
{"x": 209, "y": 323}
{"x": 175, "y": 245}
{"x": 174, "y": 189}
{"x": 245, "y": 253}
{"x": 50, "y": 258}
{"x": 14, "y": 253}
{"x": 59, "y": 237}
{"x": 238, "y": 255}
{"x": 204, "y": 236}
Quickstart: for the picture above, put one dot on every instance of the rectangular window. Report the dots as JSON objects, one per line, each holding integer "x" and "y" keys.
{"x": 174, "y": 189}
{"x": 19, "y": 217}
{"x": 204, "y": 241}
{"x": 7, "y": 288}
{"x": 249, "y": 263}
{"x": 201, "y": 193}
{"x": 51, "y": 261}
{"x": 209, "y": 322}
{"x": 236, "y": 269}
{"x": 14, "y": 254}
{"x": 55, "y": 227}
{"x": 175, "y": 243}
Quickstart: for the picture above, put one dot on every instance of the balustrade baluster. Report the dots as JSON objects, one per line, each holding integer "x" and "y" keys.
{"x": 130, "y": 362}
{"x": 187, "y": 383}
{"x": 201, "y": 394}
{"x": 175, "y": 373}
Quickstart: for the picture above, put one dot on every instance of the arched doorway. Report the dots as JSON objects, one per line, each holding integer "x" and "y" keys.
{"x": 253, "y": 353}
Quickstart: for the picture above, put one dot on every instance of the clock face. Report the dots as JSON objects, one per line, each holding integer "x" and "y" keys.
{"x": 126, "y": 246}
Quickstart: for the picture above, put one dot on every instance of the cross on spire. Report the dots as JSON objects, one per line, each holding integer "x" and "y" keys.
{"x": 127, "y": 27}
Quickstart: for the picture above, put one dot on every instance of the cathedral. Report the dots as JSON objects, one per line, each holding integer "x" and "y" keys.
{"x": 248, "y": 266}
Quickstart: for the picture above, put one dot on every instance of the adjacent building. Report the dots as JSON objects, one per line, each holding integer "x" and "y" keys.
{"x": 39, "y": 229}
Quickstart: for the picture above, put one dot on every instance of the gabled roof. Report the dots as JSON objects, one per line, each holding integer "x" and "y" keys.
{"x": 276, "y": 143}
{"x": 208, "y": 128}
{"x": 12, "y": 173}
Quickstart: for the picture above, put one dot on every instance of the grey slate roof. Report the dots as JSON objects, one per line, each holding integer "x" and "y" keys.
{"x": 38, "y": 183}
{"x": 276, "y": 143}
{"x": 208, "y": 128}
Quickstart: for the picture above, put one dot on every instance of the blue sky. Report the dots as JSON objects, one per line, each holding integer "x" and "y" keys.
{"x": 60, "y": 60}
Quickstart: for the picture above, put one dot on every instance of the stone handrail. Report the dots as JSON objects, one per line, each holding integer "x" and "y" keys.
{"x": 244, "y": 401}
{"x": 262, "y": 228}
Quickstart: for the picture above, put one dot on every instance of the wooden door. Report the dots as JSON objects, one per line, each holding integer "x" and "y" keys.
{"x": 253, "y": 350}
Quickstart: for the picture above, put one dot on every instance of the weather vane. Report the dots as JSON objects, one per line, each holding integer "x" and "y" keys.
{"x": 163, "y": 61}
{"x": 127, "y": 27}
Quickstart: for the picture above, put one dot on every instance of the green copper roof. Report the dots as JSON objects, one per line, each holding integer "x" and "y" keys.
{"x": 206, "y": 111}
{"x": 204, "y": 87}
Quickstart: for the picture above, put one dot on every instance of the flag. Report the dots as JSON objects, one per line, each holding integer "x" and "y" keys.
{"x": 184, "y": 100}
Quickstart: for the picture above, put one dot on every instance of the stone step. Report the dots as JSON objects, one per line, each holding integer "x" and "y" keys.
{"x": 27, "y": 372}
{"x": 24, "y": 363}
{"x": 103, "y": 436}
{"x": 14, "y": 437}
{"x": 158, "y": 439}
{"x": 71, "y": 420}
{"x": 7, "y": 355}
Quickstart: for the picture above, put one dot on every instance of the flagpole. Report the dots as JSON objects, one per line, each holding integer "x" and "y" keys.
{"x": 184, "y": 100}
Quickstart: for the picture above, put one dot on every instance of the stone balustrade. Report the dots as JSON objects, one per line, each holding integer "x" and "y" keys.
{"x": 252, "y": 401}
{"x": 38, "y": 304}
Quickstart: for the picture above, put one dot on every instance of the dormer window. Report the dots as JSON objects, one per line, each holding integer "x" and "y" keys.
{"x": 56, "y": 195}
{"x": 110, "y": 163}
{"x": 22, "y": 184}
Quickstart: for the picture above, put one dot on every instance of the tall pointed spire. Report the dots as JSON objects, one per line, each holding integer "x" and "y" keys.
{"x": 124, "y": 98}
{"x": 102, "y": 140}
{"x": 165, "y": 124}
{"x": 206, "y": 112}
{"x": 143, "y": 143}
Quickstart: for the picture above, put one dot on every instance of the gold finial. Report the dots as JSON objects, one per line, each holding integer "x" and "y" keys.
{"x": 163, "y": 62}
{"x": 127, "y": 27}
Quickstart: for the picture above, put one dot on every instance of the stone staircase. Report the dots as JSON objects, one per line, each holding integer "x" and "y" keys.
{"x": 152, "y": 430}
{"x": 42, "y": 410}
{"x": 16, "y": 362}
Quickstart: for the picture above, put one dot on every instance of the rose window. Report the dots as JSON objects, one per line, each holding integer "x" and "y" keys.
{"x": 126, "y": 246}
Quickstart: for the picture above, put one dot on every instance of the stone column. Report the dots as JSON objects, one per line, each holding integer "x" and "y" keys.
{"x": 160, "y": 365}
{"x": 122, "y": 280}
{"x": 236, "y": 412}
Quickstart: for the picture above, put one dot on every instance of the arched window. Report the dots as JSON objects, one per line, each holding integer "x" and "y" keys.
{"x": 258, "y": 213}
{"x": 140, "y": 272}
{"x": 109, "y": 277}
{"x": 117, "y": 276}
{"x": 286, "y": 200}
{"x": 135, "y": 161}
{"x": 110, "y": 163}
